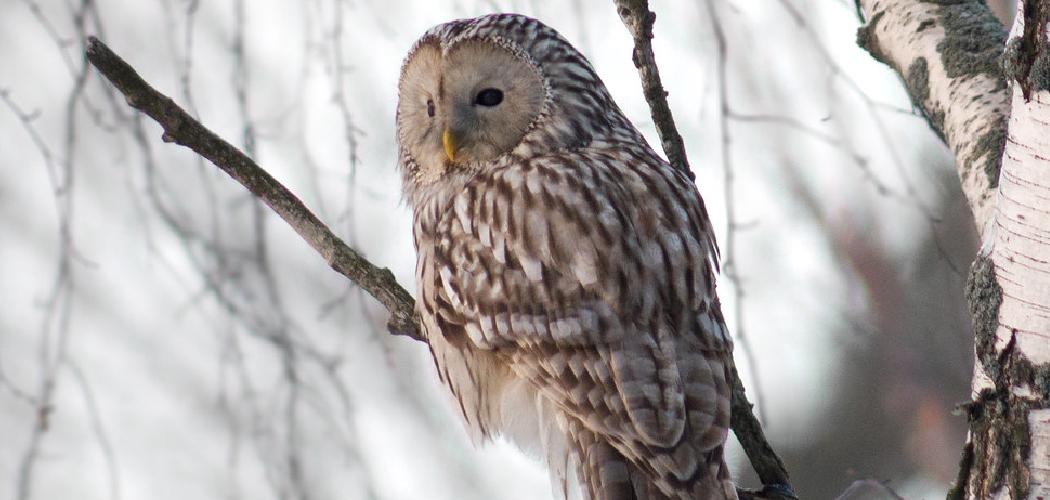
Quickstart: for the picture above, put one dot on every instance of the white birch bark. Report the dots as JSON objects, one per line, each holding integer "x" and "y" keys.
{"x": 1021, "y": 253}
{"x": 907, "y": 35}
{"x": 1021, "y": 249}
{"x": 1008, "y": 450}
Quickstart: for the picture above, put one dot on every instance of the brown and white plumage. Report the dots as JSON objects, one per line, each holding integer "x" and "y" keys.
{"x": 565, "y": 272}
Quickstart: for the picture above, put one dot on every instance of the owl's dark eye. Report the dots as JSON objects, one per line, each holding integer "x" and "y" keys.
{"x": 430, "y": 108}
{"x": 489, "y": 97}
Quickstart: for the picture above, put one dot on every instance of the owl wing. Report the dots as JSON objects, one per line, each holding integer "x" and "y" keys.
{"x": 592, "y": 273}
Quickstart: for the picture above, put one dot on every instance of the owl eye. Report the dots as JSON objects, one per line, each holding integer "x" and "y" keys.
{"x": 430, "y": 108}
{"x": 489, "y": 97}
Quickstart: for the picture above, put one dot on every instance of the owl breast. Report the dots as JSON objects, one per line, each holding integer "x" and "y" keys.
{"x": 481, "y": 383}
{"x": 565, "y": 272}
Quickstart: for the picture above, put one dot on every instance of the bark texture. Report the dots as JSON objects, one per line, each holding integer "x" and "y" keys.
{"x": 1010, "y": 419}
{"x": 947, "y": 53}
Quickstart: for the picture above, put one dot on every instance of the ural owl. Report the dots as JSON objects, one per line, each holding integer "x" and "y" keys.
{"x": 565, "y": 272}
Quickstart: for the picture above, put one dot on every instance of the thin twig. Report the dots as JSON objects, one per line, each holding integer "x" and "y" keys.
{"x": 54, "y": 338}
{"x": 871, "y": 106}
{"x": 731, "y": 266}
{"x": 181, "y": 128}
{"x": 292, "y": 461}
{"x": 803, "y": 128}
{"x": 99, "y": 429}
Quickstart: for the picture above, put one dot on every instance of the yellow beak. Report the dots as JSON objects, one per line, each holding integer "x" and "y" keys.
{"x": 449, "y": 141}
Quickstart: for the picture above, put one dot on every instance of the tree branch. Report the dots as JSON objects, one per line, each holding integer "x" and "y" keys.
{"x": 947, "y": 53}
{"x": 184, "y": 130}
{"x": 639, "y": 20}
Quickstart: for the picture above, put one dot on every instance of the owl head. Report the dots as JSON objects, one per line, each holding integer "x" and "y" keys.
{"x": 504, "y": 87}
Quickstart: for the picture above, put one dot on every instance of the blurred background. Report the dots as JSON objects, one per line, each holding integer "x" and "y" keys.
{"x": 164, "y": 336}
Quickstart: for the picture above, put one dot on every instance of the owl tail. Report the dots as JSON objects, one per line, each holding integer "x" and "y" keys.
{"x": 605, "y": 474}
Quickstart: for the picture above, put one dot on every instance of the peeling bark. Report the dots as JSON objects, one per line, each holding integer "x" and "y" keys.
{"x": 947, "y": 52}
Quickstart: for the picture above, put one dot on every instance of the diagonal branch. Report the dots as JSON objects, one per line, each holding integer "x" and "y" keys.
{"x": 639, "y": 21}
{"x": 184, "y": 130}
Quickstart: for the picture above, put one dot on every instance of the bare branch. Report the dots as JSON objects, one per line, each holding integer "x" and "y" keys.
{"x": 99, "y": 429}
{"x": 639, "y": 21}
{"x": 184, "y": 130}
{"x": 55, "y": 332}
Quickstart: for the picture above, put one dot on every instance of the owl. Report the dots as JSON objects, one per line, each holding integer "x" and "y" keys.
{"x": 565, "y": 273}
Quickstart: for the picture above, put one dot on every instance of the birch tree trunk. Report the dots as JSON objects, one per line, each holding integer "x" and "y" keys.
{"x": 991, "y": 105}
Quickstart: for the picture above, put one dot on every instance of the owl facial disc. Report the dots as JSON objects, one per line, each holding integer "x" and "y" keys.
{"x": 465, "y": 104}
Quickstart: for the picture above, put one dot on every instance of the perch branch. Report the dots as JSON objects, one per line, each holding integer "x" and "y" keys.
{"x": 767, "y": 464}
{"x": 639, "y": 21}
{"x": 184, "y": 130}
{"x": 947, "y": 53}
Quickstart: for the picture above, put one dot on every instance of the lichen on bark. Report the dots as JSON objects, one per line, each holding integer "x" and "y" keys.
{"x": 989, "y": 414}
{"x": 1026, "y": 59}
{"x": 985, "y": 296}
{"x": 999, "y": 444}
{"x": 973, "y": 43}
{"x": 1013, "y": 60}
{"x": 998, "y": 452}
{"x": 917, "y": 82}
{"x": 990, "y": 147}
{"x": 957, "y": 491}
{"x": 867, "y": 40}
{"x": 1040, "y": 74}
{"x": 973, "y": 39}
